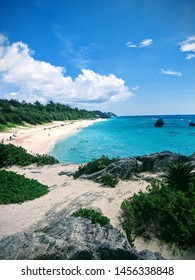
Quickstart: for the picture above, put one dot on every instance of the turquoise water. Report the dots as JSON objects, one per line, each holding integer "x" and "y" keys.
{"x": 128, "y": 136}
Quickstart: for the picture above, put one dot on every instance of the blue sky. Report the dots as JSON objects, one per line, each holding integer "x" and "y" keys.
{"x": 132, "y": 57}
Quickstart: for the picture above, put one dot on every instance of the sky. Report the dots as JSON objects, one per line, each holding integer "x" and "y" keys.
{"x": 130, "y": 57}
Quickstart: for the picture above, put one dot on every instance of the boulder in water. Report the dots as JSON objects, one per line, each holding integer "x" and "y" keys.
{"x": 159, "y": 123}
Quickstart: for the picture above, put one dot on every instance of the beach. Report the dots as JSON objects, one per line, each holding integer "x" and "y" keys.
{"x": 64, "y": 191}
{"x": 40, "y": 139}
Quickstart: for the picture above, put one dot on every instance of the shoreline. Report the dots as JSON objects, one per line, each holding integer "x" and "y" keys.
{"x": 40, "y": 139}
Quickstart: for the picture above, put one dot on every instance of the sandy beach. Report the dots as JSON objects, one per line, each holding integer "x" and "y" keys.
{"x": 40, "y": 139}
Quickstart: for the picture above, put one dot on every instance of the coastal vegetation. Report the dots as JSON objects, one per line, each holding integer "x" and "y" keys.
{"x": 94, "y": 216}
{"x": 94, "y": 166}
{"x": 109, "y": 180}
{"x": 180, "y": 175}
{"x": 15, "y": 188}
{"x": 166, "y": 211}
{"x": 12, "y": 155}
{"x": 13, "y": 112}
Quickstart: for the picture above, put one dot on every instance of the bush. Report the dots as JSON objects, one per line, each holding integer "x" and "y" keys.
{"x": 94, "y": 166}
{"x": 12, "y": 155}
{"x": 165, "y": 213}
{"x": 180, "y": 175}
{"x": 95, "y": 217}
{"x": 109, "y": 180}
{"x": 15, "y": 188}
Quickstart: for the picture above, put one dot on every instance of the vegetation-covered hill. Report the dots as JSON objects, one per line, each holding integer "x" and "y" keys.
{"x": 15, "y": 112}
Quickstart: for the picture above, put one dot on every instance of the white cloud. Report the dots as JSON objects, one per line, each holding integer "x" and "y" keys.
{"x": 190, "y": 56}
{"x": 130, "y": 45}
{"x": 188, "y": 45}
{"x": 146, "y": 43}
{"x": 134, "y": 87}
{"x": 23, "y": 77}
{"x": 170, "y": 72}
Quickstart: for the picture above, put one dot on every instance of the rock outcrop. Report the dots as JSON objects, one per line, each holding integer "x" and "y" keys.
{"x": 159, "y": 123}
{"x": 63, "y": 237}
{"x": 191, "y": 124}
{"x": 127, "y": 168}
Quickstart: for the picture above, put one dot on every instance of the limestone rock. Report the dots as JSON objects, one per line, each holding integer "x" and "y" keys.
{"x": 65, "y": 237}
{"x": 148, "y": 255}
{"x": 127, "y": 168}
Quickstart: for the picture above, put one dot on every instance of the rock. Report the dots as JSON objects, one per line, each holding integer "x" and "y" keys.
{"x": 191, "y": 124}
{"x": 67, "y": 173}
{"x": 148, "y": 255}
{"x": 63, "y": 237}
{"x": 123, "y": 169}
{"x": 192, "y": 159}
{"x": 159, "y": 123}
{"x": 157, "y": 162}
{"x": 127, "y": 168}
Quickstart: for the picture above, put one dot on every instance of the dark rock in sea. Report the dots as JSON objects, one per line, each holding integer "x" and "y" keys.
{"x": 63, "y": 237}
{"x": 127, "y": 168}
{"x": 191, "y": 124}
{"x": 159, "y": 123}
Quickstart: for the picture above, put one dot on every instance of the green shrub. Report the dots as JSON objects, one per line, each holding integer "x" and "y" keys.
{"x": 94, "y": 166}
{"x": 165, "y": 213}
{"x": 180, "y": 174}
{"x": 45, "y": 159}
{"x": 109, "y": 180}
{"x": 15, "y": 188}
{"x": 94, "y": 216}
{"x": 12, "y": 155}
{"x": 6, "y": 126}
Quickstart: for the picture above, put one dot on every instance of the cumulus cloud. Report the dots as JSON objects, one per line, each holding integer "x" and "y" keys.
{"x": 190, "y": 56}
{"x": 170, "y": 72}
{"x": 188, "y": 46}
{"x": 144, "y": 43}
{"x": 23, "y": 77}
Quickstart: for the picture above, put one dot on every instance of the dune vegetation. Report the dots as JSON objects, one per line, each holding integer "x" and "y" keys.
{"x": 166, "y": 211}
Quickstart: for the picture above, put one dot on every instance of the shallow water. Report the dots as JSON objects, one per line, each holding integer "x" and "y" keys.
{"x": 128, "y": 136}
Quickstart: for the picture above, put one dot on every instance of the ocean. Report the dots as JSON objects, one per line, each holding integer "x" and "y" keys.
{"x": 128, "y": 136}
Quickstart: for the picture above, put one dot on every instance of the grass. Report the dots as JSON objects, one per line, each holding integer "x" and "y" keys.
{"x": 94, "y": 216}
{"x": 4, "y": 127}
{"x": 15, "y": 188}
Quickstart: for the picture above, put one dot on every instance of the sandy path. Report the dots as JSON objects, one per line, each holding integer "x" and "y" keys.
{"x": 65, "y": 192}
